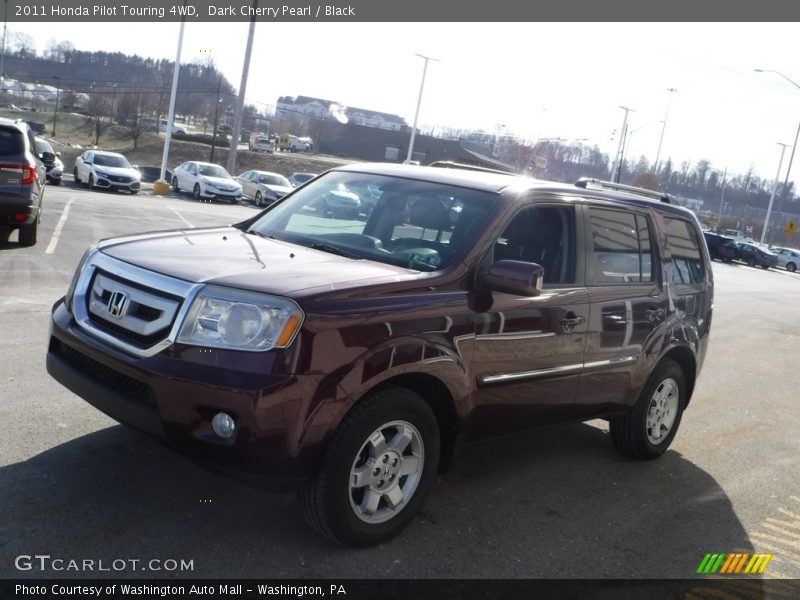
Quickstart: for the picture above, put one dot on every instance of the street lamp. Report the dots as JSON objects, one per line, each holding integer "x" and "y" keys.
{"x": 663, "y": 127}
{"x": 55, "y": 114}
{"x": 722, "y": 197}
{"x": 419, "y": 102}
{"x": 796, "y": 135}
{"x": 614, "y": 170}
{"x": 774, "y": 189}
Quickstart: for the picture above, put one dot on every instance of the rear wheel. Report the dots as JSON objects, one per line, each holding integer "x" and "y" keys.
{"x": 196, "y": 192}
{"x": 28, "y": 233}
{"x": 75, "y": 175}
{"x": 91, "y": 181}
{"x": 649, "y": 428}
{"x": 259, "y": 199}
{"x": 175, "y": 186}
{"x": 379, "y": 467}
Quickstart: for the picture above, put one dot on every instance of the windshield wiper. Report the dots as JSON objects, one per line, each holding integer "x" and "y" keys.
{"x": 259, "y": 234}
{"x": 333, "y": 250}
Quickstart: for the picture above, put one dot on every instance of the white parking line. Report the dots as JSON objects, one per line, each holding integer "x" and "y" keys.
{"x": 59, "y": 226}
{"x": 183, "y": 218}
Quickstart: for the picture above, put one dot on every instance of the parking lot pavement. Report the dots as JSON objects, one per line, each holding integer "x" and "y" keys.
{"x": 553, "y": 503}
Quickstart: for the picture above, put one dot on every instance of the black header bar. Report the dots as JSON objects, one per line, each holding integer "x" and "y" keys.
{"x": 150, "y": 11}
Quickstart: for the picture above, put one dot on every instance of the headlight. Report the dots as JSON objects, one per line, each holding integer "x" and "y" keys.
{"x": 238, "y": 320}
{"x": 76, "y": 277}
{"x": 101, "y": 173}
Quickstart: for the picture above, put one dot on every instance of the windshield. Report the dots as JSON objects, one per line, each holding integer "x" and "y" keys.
{"x": 213, "y": 171}
{"x": 103, "y": 160}
{"x": 275, "y": 180}
{"x": 414, "y": 224}
{"x": 302, "y": 177}
{"x": 43, "y": 146}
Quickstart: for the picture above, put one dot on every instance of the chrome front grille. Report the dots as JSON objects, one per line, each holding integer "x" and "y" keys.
{"x": 141, "y": 315}
{"x": 128, "y": 307}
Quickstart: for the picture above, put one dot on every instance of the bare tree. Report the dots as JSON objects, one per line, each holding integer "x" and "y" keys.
{"x": 99, "y": 108}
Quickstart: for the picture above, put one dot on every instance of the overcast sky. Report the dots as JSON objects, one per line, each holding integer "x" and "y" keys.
{"x": 548, "y": 80}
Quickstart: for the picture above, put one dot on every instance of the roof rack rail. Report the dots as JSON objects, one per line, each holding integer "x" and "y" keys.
{"x": 449, "y": 164}
{"x": 591, "y": 183}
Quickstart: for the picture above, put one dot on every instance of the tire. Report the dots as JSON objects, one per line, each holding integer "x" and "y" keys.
{"x": 28, "y": 233}
{"x": 662, "y": 401}
{"x": 791, "y": 267}
{"x": 75, "y": 175}
{"x": 175, "y": 186}
{"x": 91, "y": 181}
{"x": 196, "y": 192}
{"x": 369, "y": 488}
{"x": 259, "y": 199}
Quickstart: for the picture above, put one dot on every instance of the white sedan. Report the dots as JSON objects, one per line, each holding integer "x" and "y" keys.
{"x": 788, "y": 258}
{"x": 206, "y": 181}
{"x": 106, "y": 170}
{"x": 263, "y": 187}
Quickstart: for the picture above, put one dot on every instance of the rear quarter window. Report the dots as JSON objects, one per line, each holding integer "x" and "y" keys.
{"x": 10, "y": 142}
{"x": 687, "y": 260}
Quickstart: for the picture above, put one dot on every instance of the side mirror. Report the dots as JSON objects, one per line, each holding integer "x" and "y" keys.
{"x": 515, "y": 277}
{"x": 58, "y": 154}
{"x": 48, "y": 157}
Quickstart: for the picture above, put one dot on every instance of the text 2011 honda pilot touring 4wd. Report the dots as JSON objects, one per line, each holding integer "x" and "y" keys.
{"x": 349, "y": 356}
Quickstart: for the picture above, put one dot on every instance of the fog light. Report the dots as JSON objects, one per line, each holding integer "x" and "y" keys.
{"x": 223, "y": 425}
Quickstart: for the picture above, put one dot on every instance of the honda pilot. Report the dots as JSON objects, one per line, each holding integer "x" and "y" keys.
{"x": 349, "y": 355}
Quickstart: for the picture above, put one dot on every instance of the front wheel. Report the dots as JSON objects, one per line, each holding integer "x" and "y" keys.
{"x": 649, "y": 428}
{"x": 259, "y": 199}
{"x": 196, "y": 192}
{"x": 378, "y": 469}
{"x": 75, "y": 175}
{"x": 791, "y": 267}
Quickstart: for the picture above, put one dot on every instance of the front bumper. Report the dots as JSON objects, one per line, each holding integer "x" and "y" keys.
{"x": 107, "y": 183}
{"x": 174, "y": 394}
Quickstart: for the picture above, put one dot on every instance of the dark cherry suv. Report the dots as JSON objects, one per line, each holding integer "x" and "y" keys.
{"x": 348, "y": 356}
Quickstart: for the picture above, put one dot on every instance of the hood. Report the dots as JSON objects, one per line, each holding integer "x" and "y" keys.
{"x": 279, "y": 190}
{"x": 228, "y": 256}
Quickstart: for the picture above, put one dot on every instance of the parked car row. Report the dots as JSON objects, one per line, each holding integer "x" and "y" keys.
{"x": 727, "y": 249}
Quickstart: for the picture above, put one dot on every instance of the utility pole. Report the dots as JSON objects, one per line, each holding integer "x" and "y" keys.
{"x": 621, "y": 140}
{"x": 663, "y": 128}
{"x": 237, "y": 119}
{"x": 774, "y": 189}
{"x": 55, "y": 114}
{"x": 419, "y": 102}
{"x": 216, "y": 121}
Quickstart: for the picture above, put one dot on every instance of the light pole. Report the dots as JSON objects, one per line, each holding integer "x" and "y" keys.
{"x": 628, "y": 137}
{"x": 774, "y": 189}
{"x": 796, "y": 135}
{"x": 722, "y": 197}
{"x": 663, "y": 128}
{"x": 55, "y": 114}
{"x": 614, "y": 171}
{"x": 3, "y": 55}
{"x": 419, "y": 102}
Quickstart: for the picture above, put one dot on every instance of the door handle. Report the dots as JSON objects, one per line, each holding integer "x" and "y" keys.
{"x": 654, "y": 313}
{"x": 570, "y": 320}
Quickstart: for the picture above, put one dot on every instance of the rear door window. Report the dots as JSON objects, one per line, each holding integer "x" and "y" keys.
{"x": 621, "y": 248}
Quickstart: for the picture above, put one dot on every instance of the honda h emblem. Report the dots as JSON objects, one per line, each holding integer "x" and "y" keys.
{"x": 118, "y": 304}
